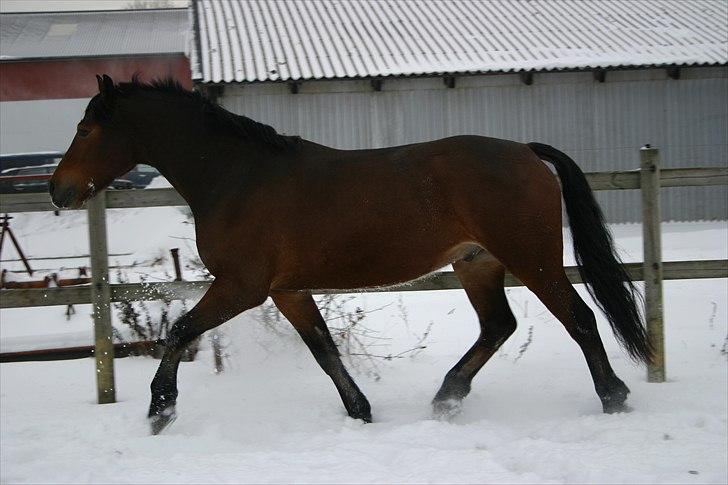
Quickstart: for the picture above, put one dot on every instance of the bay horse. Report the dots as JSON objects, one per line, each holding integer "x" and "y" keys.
{"x": 280, "y": 216}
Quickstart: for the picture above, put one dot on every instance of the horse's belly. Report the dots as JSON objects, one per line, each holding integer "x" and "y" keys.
{"x": 374, "y": 270}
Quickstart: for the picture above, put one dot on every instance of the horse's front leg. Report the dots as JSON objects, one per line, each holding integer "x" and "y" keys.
{"x": 224, "y": 299}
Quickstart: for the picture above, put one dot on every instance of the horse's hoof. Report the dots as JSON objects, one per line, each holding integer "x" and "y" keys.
{"x": 158, "y": 422}
{"x": 360, "y": 410}
{"x": 446, "y": 409}
{"x": 365, "y": 416}
{"x": 613, "y": 401}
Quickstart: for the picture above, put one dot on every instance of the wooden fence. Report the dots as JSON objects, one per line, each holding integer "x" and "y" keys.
{"x": 101, "y": 293}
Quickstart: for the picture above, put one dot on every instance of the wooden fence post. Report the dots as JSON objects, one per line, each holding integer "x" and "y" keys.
{"x": 215, "y": 338}
{"x": 101, "y": 299}
{"x": 651, "y": 240}
{"x": 175, "y": 261}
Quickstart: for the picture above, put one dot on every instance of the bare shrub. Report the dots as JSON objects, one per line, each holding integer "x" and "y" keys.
{"x": 357, "y": 343}
{"x": 146, "y": 325}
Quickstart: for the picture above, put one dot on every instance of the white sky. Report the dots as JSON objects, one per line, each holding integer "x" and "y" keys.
{"x": 49, "y": 5}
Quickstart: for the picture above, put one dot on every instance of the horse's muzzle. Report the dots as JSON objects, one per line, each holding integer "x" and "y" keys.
{"x": 62, "y": 196}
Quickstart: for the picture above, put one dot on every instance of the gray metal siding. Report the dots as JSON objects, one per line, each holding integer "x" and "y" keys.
{"x": 601, "y": 125}
{"x": 39, "y": 125}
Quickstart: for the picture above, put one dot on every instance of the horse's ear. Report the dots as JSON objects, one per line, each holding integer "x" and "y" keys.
{"x": 106, "y": 86}
{"x": 108, "y": 82}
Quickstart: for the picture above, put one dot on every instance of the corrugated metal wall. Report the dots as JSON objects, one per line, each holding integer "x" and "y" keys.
{"x": 601, "y": 125}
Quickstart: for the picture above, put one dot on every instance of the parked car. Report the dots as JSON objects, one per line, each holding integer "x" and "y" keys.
{"x": 35, "y": 184}
{"x": 33, "y": 159}
{"x": 141, "y": 175}
{"x": 23, "y": 180}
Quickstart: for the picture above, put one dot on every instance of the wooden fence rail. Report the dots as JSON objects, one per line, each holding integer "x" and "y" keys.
{"x": 443, "y": 280}
{"x": 124, "y": 349}
{"x": 653, "y": 271}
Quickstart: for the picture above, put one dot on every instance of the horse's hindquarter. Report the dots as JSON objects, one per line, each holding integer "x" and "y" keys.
{"x": 382, "y": 217}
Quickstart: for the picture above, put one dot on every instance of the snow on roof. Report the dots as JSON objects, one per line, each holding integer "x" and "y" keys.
{"x": 92, "y": 33}
{"x": 280, "y": 40}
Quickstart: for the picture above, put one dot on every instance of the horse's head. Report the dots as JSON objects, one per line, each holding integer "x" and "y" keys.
{"x": 101, "y": 150}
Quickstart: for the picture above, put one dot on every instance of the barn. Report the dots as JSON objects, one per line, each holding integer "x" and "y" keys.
{"x": 595, "y": 79}
{"x": 48, "y": 62}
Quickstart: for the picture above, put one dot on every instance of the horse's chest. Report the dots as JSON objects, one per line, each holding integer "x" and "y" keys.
{"x": 222, "y": 249}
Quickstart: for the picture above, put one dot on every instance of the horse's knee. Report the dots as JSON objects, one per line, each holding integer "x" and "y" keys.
{"x": 222, "y": 302}
{"x": 497, "y": 329}
{"x": 508, "y": 323}
{"x": 182, "y": 332}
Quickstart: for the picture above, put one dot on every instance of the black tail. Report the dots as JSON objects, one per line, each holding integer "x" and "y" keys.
{"x": 599, "y": 266}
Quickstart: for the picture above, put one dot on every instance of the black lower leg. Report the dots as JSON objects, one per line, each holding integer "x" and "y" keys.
{"x": 164, "y": 389}
{"x": 164, "y": 397}
{"x": 482, "y": 279}
{"x": 611, "y": 390}
{"x": 457, "y": 382}
{"x": 164, "y": 385}
{"x": 325, "y": 352}
{"x": 301, "y": 310}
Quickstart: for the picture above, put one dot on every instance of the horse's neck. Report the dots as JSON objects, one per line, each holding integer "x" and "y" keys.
{"x": 198, "y": 170}
{"x": 178, "y": 150}
{"x": 181, "y": 182}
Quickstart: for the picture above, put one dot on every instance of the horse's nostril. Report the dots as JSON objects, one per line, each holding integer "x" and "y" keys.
{"x": 62, "y": 197}
{"x": 67, "y": 196}
{"x": 51, "y": 187}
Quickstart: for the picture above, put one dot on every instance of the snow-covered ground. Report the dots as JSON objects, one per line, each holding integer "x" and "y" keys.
{"x": 274, "y": 417}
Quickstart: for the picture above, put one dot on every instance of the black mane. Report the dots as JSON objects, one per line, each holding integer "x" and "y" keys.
{"x": 223, "y": 119}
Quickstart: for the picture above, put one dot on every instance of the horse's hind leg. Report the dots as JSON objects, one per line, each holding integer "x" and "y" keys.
{"x": 547, "y": 279}
{"x": 300, "y": 309}
{"x": 482, "y": 279}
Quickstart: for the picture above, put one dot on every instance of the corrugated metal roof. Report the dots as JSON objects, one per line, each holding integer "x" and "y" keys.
{"x": 280, "y": 40}
{"x": 93, "y": 34}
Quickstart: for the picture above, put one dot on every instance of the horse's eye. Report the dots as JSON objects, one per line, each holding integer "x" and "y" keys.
{"x": 82, "y": 132}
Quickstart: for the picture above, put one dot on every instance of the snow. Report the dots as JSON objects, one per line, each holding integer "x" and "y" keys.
{"x": 274, "y": 417}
